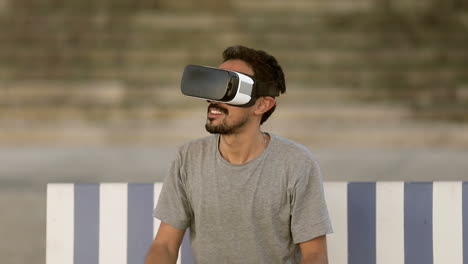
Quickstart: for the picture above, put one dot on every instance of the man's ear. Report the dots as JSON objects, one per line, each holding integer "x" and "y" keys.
{"x": 264, "y": 104}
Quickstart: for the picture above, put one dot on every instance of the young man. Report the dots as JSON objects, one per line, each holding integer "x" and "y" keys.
{"x": 247, "y": 196}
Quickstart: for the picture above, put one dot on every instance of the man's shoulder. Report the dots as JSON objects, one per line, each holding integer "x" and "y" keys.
{"x": 290, "y": 147}
{"x": 294, "y": 156}
{"x": 197, "y": 145}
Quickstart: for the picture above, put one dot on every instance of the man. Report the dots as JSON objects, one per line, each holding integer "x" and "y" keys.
{"x": 247, "y": 196}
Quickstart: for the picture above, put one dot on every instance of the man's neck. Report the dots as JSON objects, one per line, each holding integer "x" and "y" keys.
{"x": 243, "y": 147}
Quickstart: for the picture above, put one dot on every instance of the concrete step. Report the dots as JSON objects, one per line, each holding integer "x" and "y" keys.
{"x": 318, "y": 64}
{"x": 174, "y": 22}
{"x": 310, "y": 111}
{"x": 165, "y": 63}
{"x": 170, "y": 28}
{"x": 112, "y": 101}
{"x": 29, "y": 95}
{"x": 322, "y": 87}
{"x": 191, "y": 125}
{"x": 108, "y": 102}
{"x": 335, "y": 6}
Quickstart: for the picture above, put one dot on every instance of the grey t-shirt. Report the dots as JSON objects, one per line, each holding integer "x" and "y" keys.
{"x": 256, "y": 212}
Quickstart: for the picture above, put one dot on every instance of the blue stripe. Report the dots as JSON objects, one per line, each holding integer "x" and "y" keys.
{"x": 186, "y": 256}
{"x": 418, "y": 223}
{"x": 361, "y": 223}
{"x": 465, "y": 222}
{"x": 140, "y": 221}
{"x": 86, "y": 226}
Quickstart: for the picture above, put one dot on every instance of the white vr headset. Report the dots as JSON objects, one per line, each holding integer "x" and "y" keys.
{"x": 221, "y": 85}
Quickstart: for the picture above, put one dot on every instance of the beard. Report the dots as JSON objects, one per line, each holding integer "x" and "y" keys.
{"x": 224, "y": 128}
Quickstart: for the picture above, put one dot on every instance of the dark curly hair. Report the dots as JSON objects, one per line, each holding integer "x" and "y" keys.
{"x": 267, "y": 72}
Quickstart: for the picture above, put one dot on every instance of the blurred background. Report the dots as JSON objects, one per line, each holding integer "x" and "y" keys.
{"x": 89, "y": 91}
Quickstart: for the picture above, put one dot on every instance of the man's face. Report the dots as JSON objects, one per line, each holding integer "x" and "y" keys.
{"x": 228, "y": 119}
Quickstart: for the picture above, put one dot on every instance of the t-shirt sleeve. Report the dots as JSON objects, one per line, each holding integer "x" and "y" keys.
{"x": 173, "y": 207}
{"x": 309, "y": 214}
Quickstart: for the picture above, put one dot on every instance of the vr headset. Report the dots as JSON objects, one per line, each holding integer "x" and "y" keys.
{"x": 221, "y": 85}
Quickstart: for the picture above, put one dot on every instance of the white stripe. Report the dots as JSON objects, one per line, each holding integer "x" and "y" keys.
{"x": 113, "y": 223}
{"x": 390, "y": 222}
{"x": 157, "y": 191}
{"x": 60, "y": 220}
{"x": 447, "y": 223}
{"x": 336, "y": 195}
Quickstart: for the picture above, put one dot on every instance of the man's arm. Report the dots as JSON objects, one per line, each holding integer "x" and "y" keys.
{"x": 314, "y": 251}
{"x": 165, "y": 247}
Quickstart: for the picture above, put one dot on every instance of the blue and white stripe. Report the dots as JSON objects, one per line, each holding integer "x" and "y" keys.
{"x": 398, "y": 222}
{"x": 100, "y": 223}
{"x": 374, "y": 222}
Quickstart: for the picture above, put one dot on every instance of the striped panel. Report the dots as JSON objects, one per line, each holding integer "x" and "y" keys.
{"x": 59, "y": 234}
{"x": 447, "y": 223}
{"x": 361, "y": 223}
{"x": 376, "y": 222}
{"x": 389, "y": 222}
{"x": 418, "y": 223}
{"x": 336, "y": 196}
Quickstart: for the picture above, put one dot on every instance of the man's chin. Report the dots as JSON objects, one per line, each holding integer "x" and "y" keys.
{"x": 213, "y": 129}
{"x": 210, "y": 130}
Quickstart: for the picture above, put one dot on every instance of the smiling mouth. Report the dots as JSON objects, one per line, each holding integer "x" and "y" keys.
{"x": 214, "y": 111}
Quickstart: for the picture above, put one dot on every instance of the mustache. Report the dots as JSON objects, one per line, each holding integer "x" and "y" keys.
{"x": 218, "y": 107}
